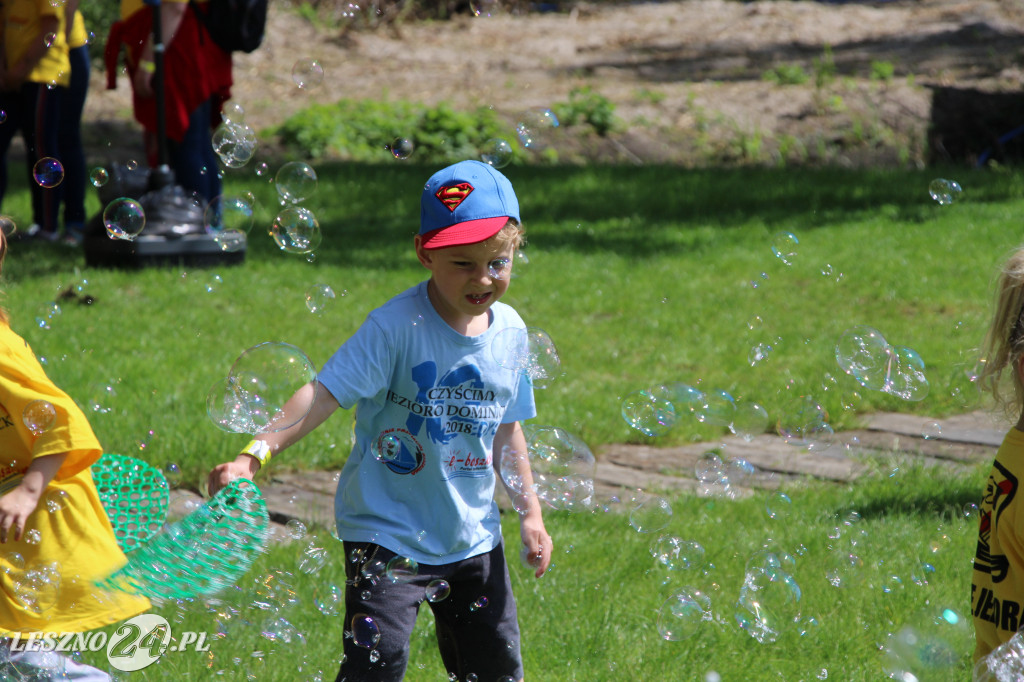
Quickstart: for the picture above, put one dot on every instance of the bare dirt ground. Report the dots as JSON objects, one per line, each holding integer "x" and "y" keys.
{"x": 688, "y": 79}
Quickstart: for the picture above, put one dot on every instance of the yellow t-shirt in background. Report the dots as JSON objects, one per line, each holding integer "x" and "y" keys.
{"x": 68, "y": 541}
{"x": 22, "y": 26}
{"x": 77, "y": 36}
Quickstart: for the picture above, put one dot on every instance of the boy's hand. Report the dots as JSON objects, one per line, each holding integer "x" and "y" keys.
{"x": 15, "y": 508}
{"x": 537, "y": 542}
{"x": 243, "y": 466}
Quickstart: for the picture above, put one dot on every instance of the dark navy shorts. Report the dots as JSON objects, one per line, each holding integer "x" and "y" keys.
{"x": 476, "y": 624}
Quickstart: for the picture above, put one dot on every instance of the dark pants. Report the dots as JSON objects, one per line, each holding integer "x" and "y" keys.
{"x": 69, "y": 139}
{"x": 34, "y": 110}
{"x": 193, "y": 159}
{"x": 476, "y": 623}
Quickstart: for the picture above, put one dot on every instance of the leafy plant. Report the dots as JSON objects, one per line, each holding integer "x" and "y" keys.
{"x": 882, "y": 70}
{"x": 587, "y": 106}
{"x": 786, "y": 74}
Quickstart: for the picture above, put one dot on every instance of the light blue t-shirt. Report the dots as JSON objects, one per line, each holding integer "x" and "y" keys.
{"x": 429, "y": 400}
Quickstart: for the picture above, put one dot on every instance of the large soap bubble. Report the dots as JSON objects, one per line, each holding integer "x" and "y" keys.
{"x": 863, "y": 353}
{"x": 563, "y": 468}
{"x": 529, "y": 351}
{"x": 262, "y": 391}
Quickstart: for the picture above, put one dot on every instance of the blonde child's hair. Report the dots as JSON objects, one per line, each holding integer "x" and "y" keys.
{"x": 1004, "y": 343}
{"x": 511, "y": 234}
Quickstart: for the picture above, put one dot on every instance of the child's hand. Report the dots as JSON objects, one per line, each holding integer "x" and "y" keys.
{"x": 243, "y": 466}
{"x": 536, "y": 542}
{"x": 15, "y": 508}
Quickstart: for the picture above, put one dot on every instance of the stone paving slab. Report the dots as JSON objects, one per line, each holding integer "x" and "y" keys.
{"x": 963, "y": 440}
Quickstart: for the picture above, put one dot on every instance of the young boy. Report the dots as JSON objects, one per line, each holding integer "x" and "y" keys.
{"x": 434, "y": 411}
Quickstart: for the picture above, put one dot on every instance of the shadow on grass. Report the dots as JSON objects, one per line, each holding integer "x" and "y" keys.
{"x": 369, "y": 213}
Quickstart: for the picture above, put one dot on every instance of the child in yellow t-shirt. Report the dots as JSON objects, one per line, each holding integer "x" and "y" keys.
{"x": 997, "y": 587}
{"x": 54, "y": 532}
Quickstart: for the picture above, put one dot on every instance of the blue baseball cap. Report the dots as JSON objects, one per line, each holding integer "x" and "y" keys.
{"x": 465, "y": 204}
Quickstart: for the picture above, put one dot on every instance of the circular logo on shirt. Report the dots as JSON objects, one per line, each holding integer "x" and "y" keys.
{"x": 399, "y": 451}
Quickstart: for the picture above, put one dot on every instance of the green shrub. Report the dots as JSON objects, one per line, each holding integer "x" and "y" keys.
{"x": 364, "y": 130}
{"x": 882, "y": 71}
{"x": 587, "y": 106}
{"x": 786, "y": 74}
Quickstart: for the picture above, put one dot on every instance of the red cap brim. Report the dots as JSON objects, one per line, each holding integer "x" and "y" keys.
{"x": 469, "y": 232}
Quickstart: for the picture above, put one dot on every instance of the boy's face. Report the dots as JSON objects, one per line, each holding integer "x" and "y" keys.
{"x": 467, "y": 279}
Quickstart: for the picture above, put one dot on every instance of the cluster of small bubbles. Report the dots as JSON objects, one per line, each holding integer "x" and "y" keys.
{"x": 33, "y": 536}
{"x": 124, "y": 218}
{"x": 784, "y": 246}
{"x": 234, "y": 143}
{"x": 682, "y": 614}
{"x": 39, "y": 416}
{"x": 769, "y": 603}
{"x": 650, "y": 513}
{"x": 943, "y": 191}
{"x": 350, "y": 11}
{"x": 497, "y": 153}
{"x": 400, "y": 569}
{"x": 307, "y": 73}
{"x": 296, "y": 230}
{"x": 99, "y": 176}
{"x": 48, "y": 172}
{"x": 295, "y": 529}
{"x": 317, "y": 298}
{"x": 172, "y": 474}
{"x": 479, "y": 603}
{"x": 295, "y": 181}
{"x": 563, "y": 468}
{"x": 401, "y": 148}
{"x": 437, "y": 590}
{"x": 528, "y": 351}
{"x": 863, "y": 353}
{"x": 56, "y": 500}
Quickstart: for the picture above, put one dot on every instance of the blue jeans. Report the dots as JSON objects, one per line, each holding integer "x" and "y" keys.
{"x": 193, "y": 159}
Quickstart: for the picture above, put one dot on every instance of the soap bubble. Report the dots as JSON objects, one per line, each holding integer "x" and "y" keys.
{"x": 784, "y": 246}
{"x": 48, "y": 172}
{"x": 124, "y": 219}
{"x": 650, "y": 415}
{"x": 296, "y": 230}
{"x": 749, "y": 421}
{"x": 7, "y": 225}
{"x": 650, "y": 513}
{"x": 779, "y": 506}
{"x": 57, "y": 500}
{"x": 307, "y": 73}
{"x": 437, "y": 590}
{"x": 172, "y": 472}
{"x": 928, "y": 647}
{"x": 365, "y": 632}
{"x": 681, "y": 615}
{"x": 675, "y": 554}
{"x": 228, "y": 213}
{"x": 497, "y": 153}
{"x": 485, "y": 8}
{"x": 769, "y": 603}
{"x": 533, "y": 123}
{"x": 863, "y": 353}
{"x": 943, "y": 191}
{"x": 510, "y": 467}
{"x": 261, "y": 381}
{"x": 479, "y": 603}
{"x": 401, "y": 148}
{"x": 296, "y": 529}
{"x": 1005, "y": 663}
{"x": 844, "y": 570}
{"x": 295, "y": 181}
{"x": 329, "y": 600}
{"x": 400, "y": 569}
{"x": 906, "y": 378}
{"x": 563, "y": 468}
{"x": 317, "y": 298}
{"x": 99, "y": 176}
{"x": 802, "y": 421}
{"x": 39, "y": 416}
{"x": 234, "y": 143}
{"x": 529, "y": 351}
{"x": 719, "y": 409}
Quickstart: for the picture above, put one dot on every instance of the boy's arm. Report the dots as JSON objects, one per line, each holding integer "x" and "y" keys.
{"x": 535, "y": 537}
{"x": 17, "y": 505}
{"x": 246, "y": 466}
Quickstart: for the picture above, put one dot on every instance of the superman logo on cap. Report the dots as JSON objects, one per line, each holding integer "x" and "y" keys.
{"x": 453, "y": 195}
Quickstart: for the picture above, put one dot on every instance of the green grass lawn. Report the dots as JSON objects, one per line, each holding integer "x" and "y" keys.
{"x": 640, "y": 276}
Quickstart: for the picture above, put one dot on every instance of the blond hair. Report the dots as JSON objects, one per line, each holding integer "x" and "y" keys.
{"x": 1004, "y": 343}
{"x": 511, "y": 233}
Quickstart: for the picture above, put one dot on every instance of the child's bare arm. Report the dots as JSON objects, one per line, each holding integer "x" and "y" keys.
{"x": 246, "y": 466}
{"x": 17, "y": 505}
{"x": 535, "y": 537}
